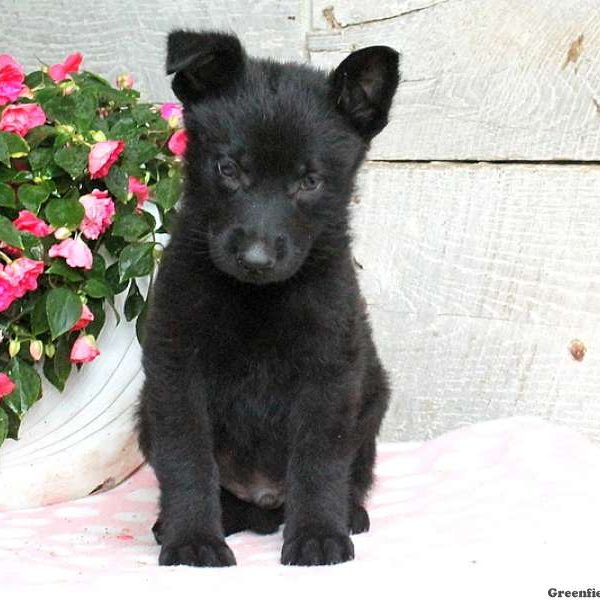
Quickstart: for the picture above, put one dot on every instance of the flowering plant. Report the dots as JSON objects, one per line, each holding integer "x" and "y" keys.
{"x": 89, "y": 176}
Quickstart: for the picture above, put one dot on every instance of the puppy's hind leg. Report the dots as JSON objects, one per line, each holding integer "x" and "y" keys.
{"x": 376, "y": 394}
{"x": 361, "y": 478}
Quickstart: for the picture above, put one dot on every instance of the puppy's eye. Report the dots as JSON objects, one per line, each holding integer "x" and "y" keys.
{"x": 227, "y": 168}
{"x": 310, "y": 182}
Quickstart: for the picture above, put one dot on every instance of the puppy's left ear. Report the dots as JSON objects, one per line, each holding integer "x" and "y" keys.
{"x": 205, "y": 64}
{"x": 363, "y": 87}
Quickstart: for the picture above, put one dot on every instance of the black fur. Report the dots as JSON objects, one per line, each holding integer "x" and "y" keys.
{"x": 262, "y": 380}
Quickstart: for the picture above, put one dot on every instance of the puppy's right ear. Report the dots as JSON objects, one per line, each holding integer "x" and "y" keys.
{"x": 205, "y": 64}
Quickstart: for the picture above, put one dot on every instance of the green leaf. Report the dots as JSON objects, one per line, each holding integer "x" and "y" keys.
{"x": 62, "y": 364}
{"x": 65, "y": 212}
{"x": 95, "y": 327}
{"x": 114, "y": 245}
{"x": 117, "y": 182}
{"x": 85, "y": 111}
{"x": 36, "y": 78}
{"x": 136, "y": 260}
{"x": 112, "y": 278}
{"x": 9, "y": 233}
{"x": 134, "y": 303}
{"x": 14, "y": 176}
{"x": 29, "y": 386}
{"x": 33, "y": 196}
{"x": 58, "y": 368}
{"x": 60, "y": 108}
{"x": 123, "y": 128}
{"x": 73, "y": 159}
{"x": 140, "y": 324}
{"x": 7, "y": 196}
{"x": 131, "y": 227}
{"x": 60, "y": 267}
{"x": 167, "y": 192}
{"x": 63, "y": 309}
{"x": 39, "y": 320}
{"x": 96, "y": 288}
{"x": 98, "y": 269}
{"x": 16, "y": 145}
{"x": 4, "y": 154}
{"x": 138, "y": 152}
{"x": 50, "y": 374}
{"x": 40, "y": 158}
{"x": 3, "y": 426}
{"x": 33, "y": 246}
{"x": 38, "y": 134}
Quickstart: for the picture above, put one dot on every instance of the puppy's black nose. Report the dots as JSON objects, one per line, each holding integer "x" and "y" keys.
{"x": 256, "y": 257}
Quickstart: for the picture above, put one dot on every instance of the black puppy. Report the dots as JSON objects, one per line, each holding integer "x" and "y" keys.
{"x": 264, "y": 392}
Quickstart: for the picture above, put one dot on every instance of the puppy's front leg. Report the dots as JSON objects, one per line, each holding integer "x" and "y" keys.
{"x": 182, "y": 457}
{"x": 316, "y": 522}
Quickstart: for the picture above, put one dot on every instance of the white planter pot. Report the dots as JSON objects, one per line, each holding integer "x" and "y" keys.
{"x": 73, "y": 443}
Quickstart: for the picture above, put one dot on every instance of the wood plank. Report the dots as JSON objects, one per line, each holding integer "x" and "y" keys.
{"x": 483, "y": 80}
{"x": 478, "y": 277}
{"x": 119, "y": 36}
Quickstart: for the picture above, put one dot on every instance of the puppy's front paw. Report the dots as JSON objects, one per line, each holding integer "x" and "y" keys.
{"x": 306, "y": 549}
{"x": 200, "y": 552}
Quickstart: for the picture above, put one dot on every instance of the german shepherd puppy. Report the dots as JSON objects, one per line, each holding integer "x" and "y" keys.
{"x": 263, "y": 392}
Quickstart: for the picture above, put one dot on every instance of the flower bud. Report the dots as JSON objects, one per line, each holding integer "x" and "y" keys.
{"x": 125, "y": 81}
{"x": 68, "y": 129}
{"x": 98, "y": 136}
{"x": 62, "y": 233}
{"x": 157, "y": 252}
{"x": 36, "y": 349}
{"x": 68, "y": 87}
{"x": 13, "y": 348}
{"x": 50, "y": 350}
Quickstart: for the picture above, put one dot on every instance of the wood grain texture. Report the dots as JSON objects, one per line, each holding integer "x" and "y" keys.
{"x": 119, "y": 36}
{"x": 483, "y": 79}
{"x": 478, "y": 277}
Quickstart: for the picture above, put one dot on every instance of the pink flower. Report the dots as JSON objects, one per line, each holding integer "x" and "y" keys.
{"x": 71, "y": 65}
{"x": 20, "y": 118}
{"x": 125, "y": 81}
{"x": 27, "y": 221}
{"x": 87, "y": 316}
{"x": 103, "y": 156}
{"x": 18, "y": 278}
{"x": 178, "y": 142}
{"x": 140, "y": 190}
{"x": 99, "y": 213}
{"x": 7, "y": 386}
{"x": 84, "y": 349}
{"x": 75, "y": 251}
{"x": 173, "y": 113}
{"x": 26, "y": 93}
{"x": 11, "y": 79}
{"x": 10, "y": 250}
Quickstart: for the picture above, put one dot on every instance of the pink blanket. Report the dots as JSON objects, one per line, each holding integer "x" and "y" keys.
{"x": 503, "y": 507}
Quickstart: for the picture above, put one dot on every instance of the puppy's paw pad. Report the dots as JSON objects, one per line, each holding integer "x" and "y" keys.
{"x": 359, "y": 520}
{"x": 309, "y": 550}
{"x": 199, "y": 553}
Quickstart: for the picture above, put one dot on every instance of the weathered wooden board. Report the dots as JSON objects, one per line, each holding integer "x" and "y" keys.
{"x": 483, "y": 79}
{"x": 478, "y": 277}
{"x": 117, "y": 36}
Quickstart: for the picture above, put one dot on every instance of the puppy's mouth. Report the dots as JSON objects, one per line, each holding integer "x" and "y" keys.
{"x": 255, "y": 276}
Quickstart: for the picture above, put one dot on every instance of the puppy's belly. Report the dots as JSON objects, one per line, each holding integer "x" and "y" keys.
{"x": 250, "y": 485}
